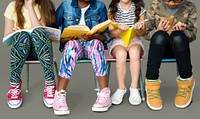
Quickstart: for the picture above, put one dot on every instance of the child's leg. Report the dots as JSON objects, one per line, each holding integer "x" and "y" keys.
{"x": 181, "y": 50}
{"x": 186, "y": 82}
{"x": 158, "y": 44}
{"x": 136, "y": 52}
{"x": 120, "y": 53}
{"x": 95, "y": 51}
{"x": 157, "y": 48}
{"x": 19, "y": 51}
{"x": 73, "y": 50}
{"x": 43, "y": 49}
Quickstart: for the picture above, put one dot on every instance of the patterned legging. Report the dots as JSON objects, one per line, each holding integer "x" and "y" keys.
{"x": 36, "y": 45}
{"x": 76, "y": 49}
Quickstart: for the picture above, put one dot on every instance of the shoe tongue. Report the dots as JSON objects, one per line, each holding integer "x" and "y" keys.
{"x": 105, "y": 89}
{"x": 183, "y": 84}
{"x": 62, "y": 91}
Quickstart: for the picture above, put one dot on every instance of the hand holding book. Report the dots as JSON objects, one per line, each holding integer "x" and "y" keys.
{"x": 179, "y": 26}
{"x": 129, "y": 33}
{"x": 79, "y": 30}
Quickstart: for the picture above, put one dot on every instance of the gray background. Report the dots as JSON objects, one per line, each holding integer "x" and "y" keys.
{"x": 81, "y": 95}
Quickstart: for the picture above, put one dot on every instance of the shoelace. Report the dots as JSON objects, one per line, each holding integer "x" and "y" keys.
{"x": 14, "y": 92}
{"x": 135, "y": 94}
{"x": 153, "y": 94}
{"x": 102, "y": 97}
{"x": 49, "y": 90}
{"x": 62, "y": 99}
{"x": 182, "y": 92}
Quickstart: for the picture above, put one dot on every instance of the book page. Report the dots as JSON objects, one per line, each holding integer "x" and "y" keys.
{"x": 128, "y": 35}
{"x": 7, "y": 40}
{"x": 75, "y": 30}
{"x": 100, "y": 27}
{"x": 52, "y": 33}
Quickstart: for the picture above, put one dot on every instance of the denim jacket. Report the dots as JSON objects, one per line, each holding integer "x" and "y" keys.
{"x": 69, "y": 13}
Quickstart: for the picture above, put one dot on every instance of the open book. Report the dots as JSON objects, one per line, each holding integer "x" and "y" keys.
{"x": 171, "y": 21}
{"x": 79, "y": 30}
{"x": 52, "y": 33}
{"x": 127, "y": 35}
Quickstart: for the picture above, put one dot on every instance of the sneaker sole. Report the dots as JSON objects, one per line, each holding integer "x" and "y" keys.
{"x": 47, "y": 104}
{"x": 136, "y": 103}
{"x": 154, "y": 108}
{"x": 101, "y": 109}
{"x": 61, "y": 112}
{"x": 189, "y": 101}
{"x": 14, "y": 106}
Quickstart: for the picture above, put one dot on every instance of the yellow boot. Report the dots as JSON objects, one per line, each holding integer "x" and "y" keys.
{"x": 154, "y": 100}
{"x": 184, "y": 93}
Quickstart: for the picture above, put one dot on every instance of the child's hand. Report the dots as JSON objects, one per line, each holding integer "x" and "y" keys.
{"x": 163, "y": 25}
{"x": 15, "y": 29}
{"x": 179, "y": 26}
{"x": 28, "y": 3}
{"x": 123, "y": 27}
{"x": 89, "y": 37}
{"x": 64, "y": 40}
{"x": 139, "y": 25}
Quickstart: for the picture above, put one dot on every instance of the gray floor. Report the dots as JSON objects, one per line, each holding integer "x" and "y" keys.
{"x": 81, "y": 96}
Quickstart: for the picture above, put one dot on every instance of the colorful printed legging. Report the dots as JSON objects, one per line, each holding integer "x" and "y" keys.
{"x": 36, "y": 45}
{"x": 76, "y": 49}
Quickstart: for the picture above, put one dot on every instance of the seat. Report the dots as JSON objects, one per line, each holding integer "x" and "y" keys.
{"x": 28, "y": 62}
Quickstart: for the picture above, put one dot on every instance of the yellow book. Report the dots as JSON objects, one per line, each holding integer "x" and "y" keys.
{"x": 79, "y": 30}
{"x": 127, "y": 35}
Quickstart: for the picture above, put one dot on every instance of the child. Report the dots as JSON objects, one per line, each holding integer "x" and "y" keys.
{"x": 90, "y": 13}
{"x": 171, "y": 27}
{"x": 127, "y": 13}
{"x": 26, "y": 14}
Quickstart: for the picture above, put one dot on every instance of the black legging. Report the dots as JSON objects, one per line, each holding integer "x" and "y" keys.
{"x": 161, "y": 44}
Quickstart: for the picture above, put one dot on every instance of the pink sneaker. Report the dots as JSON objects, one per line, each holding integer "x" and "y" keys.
{"x": 49, "y": 93}
{"x": 14, "y": 96}
{"x": 103, "y": 101}
{"x": 59, "y": 104}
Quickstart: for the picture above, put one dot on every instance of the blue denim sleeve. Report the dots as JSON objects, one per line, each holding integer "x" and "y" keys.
{"x": 59, "y": 16}
{"x": 59, "y": 22}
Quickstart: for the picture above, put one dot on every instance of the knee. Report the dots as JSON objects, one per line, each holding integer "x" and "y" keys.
{"x": 38, "y": 32}
{"x": 96, "y": 45}
{"x": 135, "y": 52}
{"x": 160, "y": 38}
{"x": 22, "y": 37}
{"x": 121, "y": 56}
{"x": 71, "y": 45}
{"x": 179, "y": 38}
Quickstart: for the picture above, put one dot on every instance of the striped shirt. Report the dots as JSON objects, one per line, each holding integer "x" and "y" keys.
{"x": 127, "y": 16}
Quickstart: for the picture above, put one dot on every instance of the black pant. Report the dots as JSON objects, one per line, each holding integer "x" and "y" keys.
{"x": 164, "y": 46}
